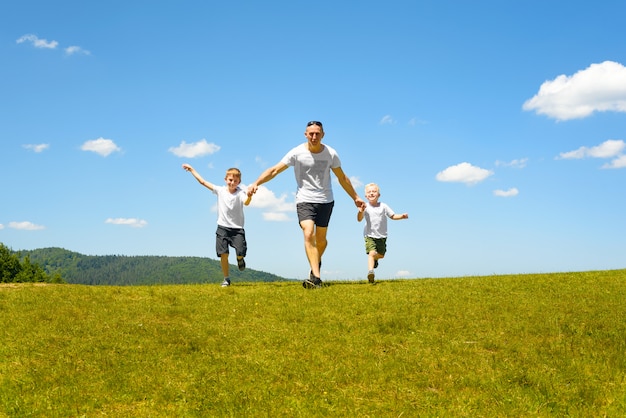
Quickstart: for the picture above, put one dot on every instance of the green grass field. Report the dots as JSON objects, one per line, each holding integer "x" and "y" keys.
{"x": 516, "y": 345}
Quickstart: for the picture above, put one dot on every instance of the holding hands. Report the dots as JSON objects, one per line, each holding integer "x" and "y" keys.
{"x": 252, "y": 189}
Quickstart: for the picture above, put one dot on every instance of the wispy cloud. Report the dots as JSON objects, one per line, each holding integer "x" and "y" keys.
{"x": 521, "y": 163}
{"x": 598, "y": 88}
{"x": 356, "y": 182}
{"x": 417, "y": 121}
{"x": 464, "y": 173}
{"x": 607, "y": 149}
{"x": 387, "y": 120}
{"x": 71, "y": 50}
{"x": 132, "y": 222}
{"x": 37, "y": 147}
{"x": 100, "y": 146}
{"x": 403, "y": 273}
{"x": 260, "y": 162}
{"x": 195, "y": 149}
{"x": 37, "y": 42}
{"x": 506, "y": 193}
{"x": 26, "y": 226}
{"x": 612, "y": 148}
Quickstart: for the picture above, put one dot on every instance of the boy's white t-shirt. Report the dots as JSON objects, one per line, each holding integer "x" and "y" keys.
{"x": 230, "y": 206}
{"x": 376, "y": 220}
{"x": 312, "y": 172}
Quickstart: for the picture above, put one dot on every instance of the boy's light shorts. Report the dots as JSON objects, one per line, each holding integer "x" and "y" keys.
{"x": 376, "y": 244}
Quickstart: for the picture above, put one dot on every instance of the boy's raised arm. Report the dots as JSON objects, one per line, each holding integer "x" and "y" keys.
{"x": 198, "y": 177}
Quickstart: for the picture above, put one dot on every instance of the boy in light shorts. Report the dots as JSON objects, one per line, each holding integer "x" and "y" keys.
{"x": 375, "y": 214}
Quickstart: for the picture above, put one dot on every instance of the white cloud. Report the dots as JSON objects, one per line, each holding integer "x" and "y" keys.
{"x": 276, "y": 216}
{"x": 417, "y": 121}
{"x": 619, "y": 162}
{"x": 275, "y": 208}
{"x": 37, "y": 147}
{"x": 26, "y": 226}
{"x": 36, "y": 42}
{"x": 387, "y": 120}
{"x": 43, "y": 43}
{"x": 100, "y": 146}
{"x": 598, "y": 88}
{"x": 194, "y": 149}
{"x": 612, "y": 148}
{"x": 607, "y": 149}
{"x": 506, "y": 193}
{"x": 71, "y": 50}
{"x": 521, "y": 163}
{"x": 356, "y": 182}
{"x": 1, "y": 226}
{"x": 264, "y": 198}
{"x": 132, "y": 222}
{"x": 464, "y": 173}
{"x": 403, "y": 273}
{"x": 260, "y": 161}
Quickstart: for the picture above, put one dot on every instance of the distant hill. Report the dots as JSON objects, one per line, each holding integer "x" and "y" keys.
{"x": 138, "y": 270}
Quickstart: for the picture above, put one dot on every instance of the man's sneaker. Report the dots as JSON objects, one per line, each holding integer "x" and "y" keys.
{"x": 241, "y": 263}
{"x": 311, "y": 276}
{"x": 312, "y": 282}
{"x": 226, "y": 282}
{"x": 370, "y": 276}
{"x": 375, "y": 264}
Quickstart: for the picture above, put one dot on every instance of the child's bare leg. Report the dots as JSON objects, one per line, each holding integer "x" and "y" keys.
{"x": 224, "y": 264}
{"x": 371, "y": 258}
{"x": 374, "y": 256}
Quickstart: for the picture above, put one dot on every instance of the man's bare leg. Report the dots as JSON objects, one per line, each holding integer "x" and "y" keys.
{"x": 310, "y": 245}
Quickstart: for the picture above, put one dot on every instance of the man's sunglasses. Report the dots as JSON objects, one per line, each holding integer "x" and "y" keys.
{"x": 314, "y": 122}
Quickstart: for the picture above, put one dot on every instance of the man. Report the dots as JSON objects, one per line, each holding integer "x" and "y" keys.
{"x": 312, "y": 162}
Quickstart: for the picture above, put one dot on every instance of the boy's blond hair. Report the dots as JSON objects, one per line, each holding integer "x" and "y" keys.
{"x": 372, "y": 185}
{"x": 235, "y": 172}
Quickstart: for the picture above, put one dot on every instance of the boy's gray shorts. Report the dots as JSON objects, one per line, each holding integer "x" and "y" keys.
{"x": 233, "y": 237}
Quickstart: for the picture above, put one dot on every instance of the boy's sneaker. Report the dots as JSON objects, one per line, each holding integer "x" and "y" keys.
{"x": 375, "y": 264}
{"x": 241, "y": 263}
{"x": 312, "y": 282}
{"x": 370, "y": 276}
{"x": 226, "y": 282}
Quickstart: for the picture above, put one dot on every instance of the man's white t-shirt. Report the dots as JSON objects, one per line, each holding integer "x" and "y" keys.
{"x": 230, "y": 206}
{"x": 312, "y": 172}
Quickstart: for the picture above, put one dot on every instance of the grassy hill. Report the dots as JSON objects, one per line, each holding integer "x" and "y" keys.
{"x": 520, "y": 345}
{"x": 138, "y": 270}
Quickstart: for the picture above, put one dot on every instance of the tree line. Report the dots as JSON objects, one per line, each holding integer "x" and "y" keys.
{"x": 123, "y": 270}
{"x": 16, "y": 269}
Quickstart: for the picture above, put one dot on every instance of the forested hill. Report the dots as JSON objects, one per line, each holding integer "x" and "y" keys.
{"x": 138, "y": 270}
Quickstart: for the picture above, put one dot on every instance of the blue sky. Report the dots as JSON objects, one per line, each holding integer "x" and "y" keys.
{"x": 498, "y": 126}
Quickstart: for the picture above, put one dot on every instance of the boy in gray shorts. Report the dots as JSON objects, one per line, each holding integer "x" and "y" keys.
{"x": 230, "y": 202}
